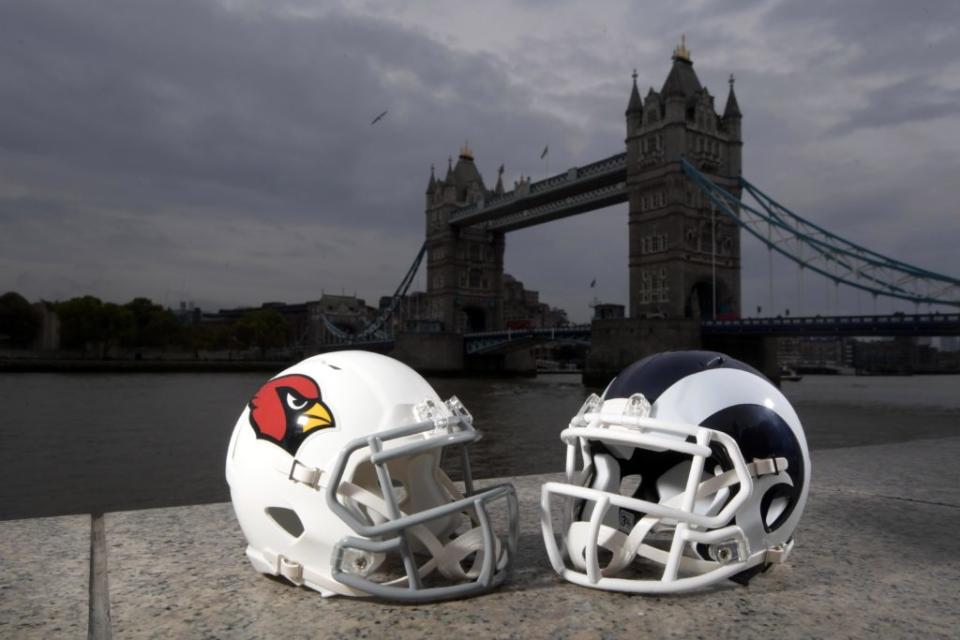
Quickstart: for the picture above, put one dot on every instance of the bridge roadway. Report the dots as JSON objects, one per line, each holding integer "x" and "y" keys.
{"x": 925, "y": 324}
{"x": 579, "y": 189}
{"x": 930, "y": 324}
{"x": 897, "y": 324}
{"x": 491, "y": 341}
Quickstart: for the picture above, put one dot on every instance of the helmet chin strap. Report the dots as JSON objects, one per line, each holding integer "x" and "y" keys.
{"x": 446, "y": 557}
{"x": 625, "y": 548}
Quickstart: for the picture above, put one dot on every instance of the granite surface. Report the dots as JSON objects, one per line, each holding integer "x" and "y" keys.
{"x": 44, "y": 577}
{"x": 877, "y": 556}
{"x": 923, "y": 470}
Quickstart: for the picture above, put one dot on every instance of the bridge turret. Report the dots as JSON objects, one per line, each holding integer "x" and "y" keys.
{"x": 653, "y": 108}
{"x": 634, "y": 111}
{"x": 731, "y": 123}
{"x": 672, "y": 234}
{"x": 431, "y": 186}
{"x": 449, "y": 185}
{"x": 499, "y": 188}
{"x": 464, "y": 265}
{"x": 681, "y": 84}
{"x": 731, "y": 112}
{"x": 634, "y": 114}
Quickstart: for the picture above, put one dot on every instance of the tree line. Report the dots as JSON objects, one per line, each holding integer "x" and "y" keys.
{"x": 95, "y": 327}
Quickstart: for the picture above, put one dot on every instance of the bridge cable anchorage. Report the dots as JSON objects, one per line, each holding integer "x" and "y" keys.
{"x": 824, "y": 252}
{"x": 375, "y": 330}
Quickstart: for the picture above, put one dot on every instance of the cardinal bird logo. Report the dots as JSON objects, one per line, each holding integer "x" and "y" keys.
{"x": 288, "y": 409}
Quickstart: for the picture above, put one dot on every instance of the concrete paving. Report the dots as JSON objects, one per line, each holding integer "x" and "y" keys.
{"x": 877, "y": 555}
{"x": 44, "y": 577}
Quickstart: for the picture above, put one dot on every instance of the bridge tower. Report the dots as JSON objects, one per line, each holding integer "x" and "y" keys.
{"x": 464, "y": 265}
{"x": 672, "y": 248}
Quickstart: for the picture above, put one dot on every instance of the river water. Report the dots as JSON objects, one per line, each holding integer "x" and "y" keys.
{"x": 81, "y": 443}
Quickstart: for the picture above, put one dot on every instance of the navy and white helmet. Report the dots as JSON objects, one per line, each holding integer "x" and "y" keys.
{"x": 691, "y": 469}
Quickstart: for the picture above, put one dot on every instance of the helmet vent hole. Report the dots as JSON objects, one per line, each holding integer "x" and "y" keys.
{"x": 287, "y": 519}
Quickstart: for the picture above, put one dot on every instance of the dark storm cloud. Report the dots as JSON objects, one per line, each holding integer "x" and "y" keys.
{"x": 190, "y": 116}
{"x": 223, "y": 150}
{"x": 199, "y": 98}
{"x": 911, "y": 100}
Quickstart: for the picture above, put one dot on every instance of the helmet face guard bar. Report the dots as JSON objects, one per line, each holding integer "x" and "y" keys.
{"x": 733, "y": 554}
{"x": 494, "y": 567}
{"x": 394, "y": 535}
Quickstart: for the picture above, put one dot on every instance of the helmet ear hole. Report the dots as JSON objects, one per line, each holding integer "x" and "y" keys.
{"x": 776, "y": 506}
{"x": 286, "y": 519}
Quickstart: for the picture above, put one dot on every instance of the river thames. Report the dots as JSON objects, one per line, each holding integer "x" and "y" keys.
{"x": 81, "y": 443}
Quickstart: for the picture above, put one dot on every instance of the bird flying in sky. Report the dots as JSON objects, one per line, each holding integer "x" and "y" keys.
{"x": 378, "y": 118}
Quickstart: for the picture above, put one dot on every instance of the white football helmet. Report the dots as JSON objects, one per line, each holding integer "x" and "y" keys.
{"x": 334, "y": 473}
{"x": 691, "y": 469}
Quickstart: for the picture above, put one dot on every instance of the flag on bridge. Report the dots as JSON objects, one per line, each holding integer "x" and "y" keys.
{"x": 593, "y": 282}
{"x": 546, "y": 150}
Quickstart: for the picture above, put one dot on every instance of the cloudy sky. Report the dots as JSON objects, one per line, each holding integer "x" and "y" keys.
{"x": 221, "y": 150}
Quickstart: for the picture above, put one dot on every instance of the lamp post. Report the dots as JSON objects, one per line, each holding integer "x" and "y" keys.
{"x": 713, "y": 262}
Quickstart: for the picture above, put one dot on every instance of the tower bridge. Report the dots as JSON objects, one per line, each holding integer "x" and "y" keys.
{"x": 681, "y": 175}
{"x": 675, "y": 266}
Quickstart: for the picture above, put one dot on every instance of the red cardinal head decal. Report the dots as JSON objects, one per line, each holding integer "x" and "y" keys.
{"x": 288, "y": 409}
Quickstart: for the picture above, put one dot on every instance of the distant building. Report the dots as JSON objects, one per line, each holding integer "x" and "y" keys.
{"x": 812, "y": 353}
{"x": 607, "y": 311}
{"x": 413, "y": 314}
{"x": 187, "y": 313}
{"x": 950, "y": 343}
{"x": 522, "y": 308}
{"x": 311, "y": 323}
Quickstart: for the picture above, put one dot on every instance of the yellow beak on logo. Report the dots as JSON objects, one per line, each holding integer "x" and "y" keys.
{"x": 316, "y": 416}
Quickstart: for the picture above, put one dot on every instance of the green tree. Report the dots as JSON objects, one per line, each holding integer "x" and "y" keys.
{"x": 86, "y": 322}
{"x": 19, "y": 321}
{"x": 263, "y": 328}
{"x": 116, "y": 325}
{"x": 216, "y": 337}
{"x": 153, "y": 326}
{"x": 79, "y": 322}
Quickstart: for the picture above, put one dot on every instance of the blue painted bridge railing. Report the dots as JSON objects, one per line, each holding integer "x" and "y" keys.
{"x": 490, "y": 341}
{"x": 897, "y": 324}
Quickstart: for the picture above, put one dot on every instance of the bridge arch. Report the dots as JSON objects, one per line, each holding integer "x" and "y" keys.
{"x": 698, "y": 303}
{"x": 475, "y": 318}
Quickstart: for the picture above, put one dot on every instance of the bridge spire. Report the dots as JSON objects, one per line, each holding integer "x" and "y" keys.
{"x": 681, "y": 52}
{"x": 636, "y": 104}
{"x": 732, "y": 110}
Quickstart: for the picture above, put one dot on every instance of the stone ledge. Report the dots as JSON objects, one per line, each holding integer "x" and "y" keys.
{"x": 875, "y": 556}
{"x": 44, "y": 577}
{"x": 864, "y": 566}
